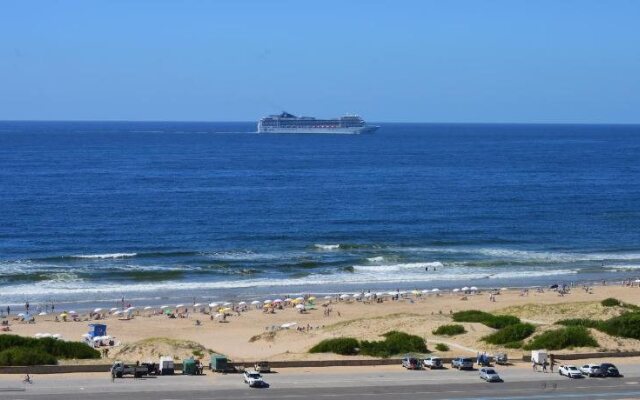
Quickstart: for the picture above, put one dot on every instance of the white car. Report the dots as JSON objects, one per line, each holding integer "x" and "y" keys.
{"x": 489, "y": 375}
{"x": 432, "y": 362}
{"x": 591, "y": 370}
{"x": 254, "y": 379}
{"x": 570, "y": 371}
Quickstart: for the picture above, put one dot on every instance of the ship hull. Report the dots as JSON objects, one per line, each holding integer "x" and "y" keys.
{"x": 334, "y": 131}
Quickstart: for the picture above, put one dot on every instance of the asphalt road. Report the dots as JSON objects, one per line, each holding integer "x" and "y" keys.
{"x": 520, "y": 383}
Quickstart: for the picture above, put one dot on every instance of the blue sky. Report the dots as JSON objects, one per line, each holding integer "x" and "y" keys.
{"x": 439, "y": 61}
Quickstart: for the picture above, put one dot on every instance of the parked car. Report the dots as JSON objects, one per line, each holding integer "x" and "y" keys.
{"x": 570, "y": 371}
{"x": 411, "y": 363}
{"x": 608, "y": 369}
{"x": 591, "y": 370}
{"x": 462, "y": 363}
{"x": 432, "y": 362}
{"x": 489, "y": 375}
{"x": 254, "y": 379}
{"x": 501, "y": 358}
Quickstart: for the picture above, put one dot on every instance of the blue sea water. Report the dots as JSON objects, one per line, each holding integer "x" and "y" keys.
{"x": 94, "y": 211}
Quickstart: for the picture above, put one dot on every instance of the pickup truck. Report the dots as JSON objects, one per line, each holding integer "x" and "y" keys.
{"x": 119, "y": 369}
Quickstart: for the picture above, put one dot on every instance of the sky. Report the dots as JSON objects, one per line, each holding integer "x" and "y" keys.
{"x": 540, "y": 61}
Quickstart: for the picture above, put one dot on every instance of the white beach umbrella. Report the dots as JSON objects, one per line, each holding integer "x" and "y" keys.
{"x": 42, "y": 314}
{"x": 72, "y": 312}
{"x": 130, "y": 309}
{"x": 464, "y": 289}
{"x": 345, "y": 296}
{"x": 380, "y": 294}
{"x": 637, "y": 281}
{"x": 21, "y": 314}
{"x": 117, "y": 313}
{"x": 213, "y": 305}
{"x": 504, "y": 289}
{"x": 277, "y": 301}
{"x": 255, "y": 302}
{"x": 288, "y": 300}
{"x": 148, "y": 308}
{"x": 474, "y": 289}
{"x": 180, "y": 306}
{"x": 456, "y": 290}
{"x": 226, "y": 304}
{"x": 368, "y": 294}
{"x": 112, "y": 309}
{"x": 300, "y": 298}
{"x": 163, "y": 307}
{"x": 300, "y": 306}
{"x": 425, "y": 290}
{"x": 267, "y": 302}
{"x": 242, "y": 303}
{"x": 435, "y": 290}
{"x": 357, "y": 296}
{"x": 97, "y": 310}
{"x": 198, "y": 305}
{"x": 392, "y": 293}
{"x": 328, "y": 297}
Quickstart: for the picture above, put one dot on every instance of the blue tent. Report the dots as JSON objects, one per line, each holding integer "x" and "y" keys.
{"x": 97, "y": 330}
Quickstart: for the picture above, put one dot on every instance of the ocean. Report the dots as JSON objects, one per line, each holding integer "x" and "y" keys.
{"x": 91, "y": 212}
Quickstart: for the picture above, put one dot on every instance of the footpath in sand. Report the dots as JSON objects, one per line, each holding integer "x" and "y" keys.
{"x": 249, "y": 336}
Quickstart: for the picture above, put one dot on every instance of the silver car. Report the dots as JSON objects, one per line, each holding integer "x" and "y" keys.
{"x": 489, "y": 375}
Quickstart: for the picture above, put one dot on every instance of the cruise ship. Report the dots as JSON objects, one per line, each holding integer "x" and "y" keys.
{"x": 289, "y": 123}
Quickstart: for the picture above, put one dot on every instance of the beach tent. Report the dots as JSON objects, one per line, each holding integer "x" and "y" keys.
{"x": 97, "y": 330}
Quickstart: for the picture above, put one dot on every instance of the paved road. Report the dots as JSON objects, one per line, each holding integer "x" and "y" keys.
{"x": 382, "y": 384}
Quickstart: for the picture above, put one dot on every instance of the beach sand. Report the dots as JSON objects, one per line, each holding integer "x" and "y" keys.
{"x": 246, "y": 337}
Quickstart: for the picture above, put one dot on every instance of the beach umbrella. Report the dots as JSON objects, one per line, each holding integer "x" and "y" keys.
{"x": 504, "y": 289}
{"x": 474, "y": 289}
{"x": 72, "y": 312}
{"x": 300, "y": 307}
{"x": 42, "y": 313}
{"x": 288, "y": 325}
{"x": 197, "y": 305}
{"x": 242, "y": 303}
{"x": 213, "y": 305}
{"x": 357, "y": 296}
{"x": 267, "y": 302}
{"x": 226, "y": 304}
{"x": 255, "y": 302}
{"x": 163, "y": 307}
{"x": 277, "y": 301}
{"x": 637, "y": 281}
{"x": 148, "y": 308}
{"x": 466, "y": 288}
{"x": 130, "y": 309}
{"x": 368, "y": 294}
{"x": 328, "y": 297}
{"x": 117, "y": 313}
{"x": 97, "y": 310}
{"x": 425, "y": 290}
{"x": 113, "y": 309}
{"x": 226, "y": 309}
{"x": 435, "y": 290}
{"x": 312, "y": 298}
{"x": 22, "y": 314}
{"x": 63, "y": 315}
{"x": 300, "y": 298}
{"x": 456, "y": 290}
{"x": 180, "y": 306}
{"x": 380, "y": 294}
{"x": 415, "y": 292}
{"x": 345, "y": 296}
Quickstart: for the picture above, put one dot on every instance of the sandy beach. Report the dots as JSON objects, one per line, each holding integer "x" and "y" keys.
{"x": 250, "y": 335}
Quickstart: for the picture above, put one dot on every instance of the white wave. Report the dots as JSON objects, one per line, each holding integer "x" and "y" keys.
{"x": 397, "y": 267}
{"x": 107, "y": 255}
{"x": 327, "y": 246}
{"x": 623, "y": 267}
{"x": 377, "y": 259}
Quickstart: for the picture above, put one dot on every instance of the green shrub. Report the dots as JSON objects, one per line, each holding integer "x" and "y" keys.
{"x": 394, "y": 343}
{"x": 569, "y": 336}
{"x": 490, "y": 320}
{"x": 626, "y": 325}
{"x": 58, "y": 348}
{"x": 585, "y": 322}
{"x": 26, "y": 356}
{"x": 510, "y": 333}
{"x": 442, "y": 347}
{"x": 610, "y": 302}
{"x": 344, "y": 346}
{"x": 449, "y": 330}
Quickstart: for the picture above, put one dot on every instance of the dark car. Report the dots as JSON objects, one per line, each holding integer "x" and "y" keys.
{"x": 608, "y": 369}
